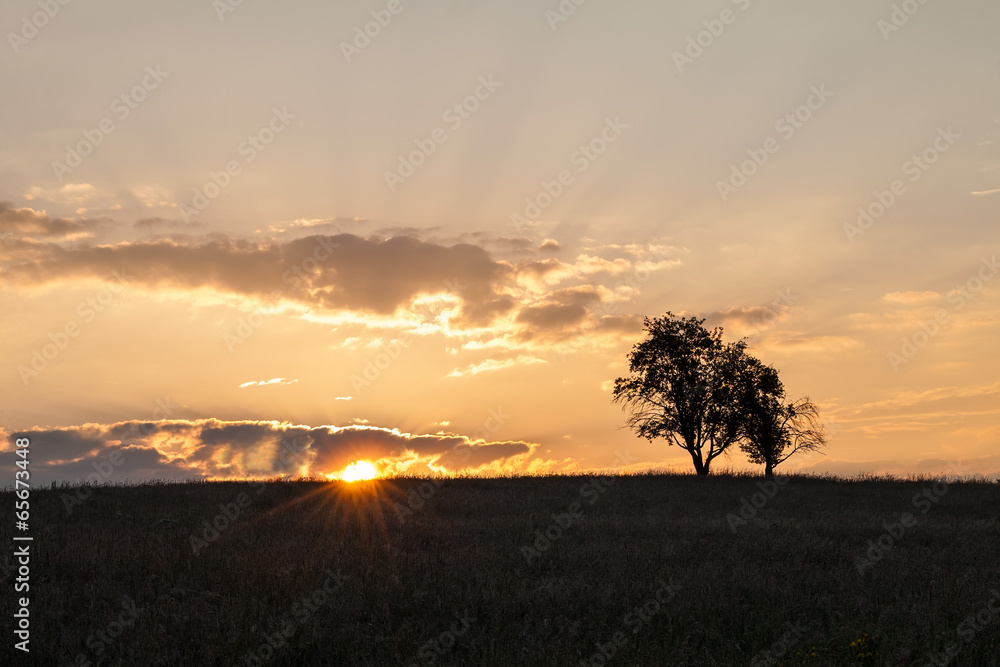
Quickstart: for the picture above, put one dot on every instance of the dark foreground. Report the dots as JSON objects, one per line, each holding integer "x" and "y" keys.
{"x": 647, "y": 570}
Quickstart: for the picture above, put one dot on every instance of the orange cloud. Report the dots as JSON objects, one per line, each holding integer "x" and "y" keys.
{"x": 183, "y": 449}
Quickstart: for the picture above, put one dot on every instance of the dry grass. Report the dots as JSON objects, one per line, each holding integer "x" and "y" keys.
{"x": 451, "y": 585}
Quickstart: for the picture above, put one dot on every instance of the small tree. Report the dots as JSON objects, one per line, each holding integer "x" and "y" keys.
{"x": 684, "y": 386}
{"x": 774, "y": 430}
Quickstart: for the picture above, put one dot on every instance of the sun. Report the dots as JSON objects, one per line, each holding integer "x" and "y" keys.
{"x": 358, "y": 471}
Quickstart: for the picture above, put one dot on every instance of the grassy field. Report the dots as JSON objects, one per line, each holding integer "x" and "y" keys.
{"x": 638, "y": 570}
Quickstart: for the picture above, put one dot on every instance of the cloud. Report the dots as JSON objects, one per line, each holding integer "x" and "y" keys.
{"x": 746, "y": 318}
{"x": 986, "y": 193}
{"x": 151, "y": 224}
{"x": 588, "y": 265}
{"x": 399, "y": 282}
{"x": 29, "y": 222}
{"x": 479, "y": 455}
{"x": 911, "y": 298}
{"x": 560, "y": 313}
{"x": 70, "y": 193}
{"x": 815, "y": 344}
{"x": 495, "y": 365}
{"x": 627, "y": 325}
{"x": 211, "y": 448}
{"x": 264, "y": 383}
{"x": 342, "y": 272}
{"x": 539, "y": 273}
{"x": 153, "y": 196}
{"x": 627, "y": 272}
{"x": 925, "y": 398}
{"x": 314, "y": 225}
{"x": 956, "y": 416}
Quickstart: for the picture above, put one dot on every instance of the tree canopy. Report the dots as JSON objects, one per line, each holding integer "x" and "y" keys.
{"x": 703, "y": 395}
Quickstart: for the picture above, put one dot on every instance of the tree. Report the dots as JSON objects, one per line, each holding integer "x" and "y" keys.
{"x": 684, "y": 386}
{"x": 773, "y": 429}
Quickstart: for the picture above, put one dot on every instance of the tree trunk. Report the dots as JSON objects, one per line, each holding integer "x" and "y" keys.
{"x": 699, "y": 466}
{"x": 768, "y": 469}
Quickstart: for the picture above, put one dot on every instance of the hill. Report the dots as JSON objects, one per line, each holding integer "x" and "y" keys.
{"x": 563, "y": 570}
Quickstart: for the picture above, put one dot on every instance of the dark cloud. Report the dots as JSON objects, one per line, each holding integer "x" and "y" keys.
{"x": 745, "y": 317}
{"x": 474, "y": 456}
{"x": 181, "y": 449}
{"x": 563, "y": 311}
{"x": 503, "y": 245}
{"x": 332, "y": 272}
{"x": 539, "y": 268}
{"x": 31, "y": 223}
{"x": 621, "y": 324}
{"x": 116, "y": 465}
{"x": 155, "y": 224}
{"x": 309, "y": 226}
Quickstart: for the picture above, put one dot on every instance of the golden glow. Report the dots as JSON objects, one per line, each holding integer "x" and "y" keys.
{"x": 357, "y": 471}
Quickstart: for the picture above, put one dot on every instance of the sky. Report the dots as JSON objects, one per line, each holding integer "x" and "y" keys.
{"x": 243, "y": 239}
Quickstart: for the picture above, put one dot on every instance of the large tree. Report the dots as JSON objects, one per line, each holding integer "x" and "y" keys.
{"x": 684, "y": 386}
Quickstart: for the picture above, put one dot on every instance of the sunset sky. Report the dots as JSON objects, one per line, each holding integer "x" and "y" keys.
{"x": 430, "y": 246}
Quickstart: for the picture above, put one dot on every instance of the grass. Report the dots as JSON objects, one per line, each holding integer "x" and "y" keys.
{"x": 655, "y": 571}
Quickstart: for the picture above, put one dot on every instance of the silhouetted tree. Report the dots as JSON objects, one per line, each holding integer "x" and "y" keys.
{"x": 684, "y": 386}
{"x": 773, "y": 429}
